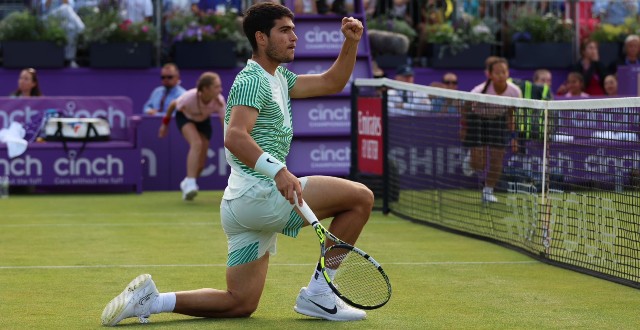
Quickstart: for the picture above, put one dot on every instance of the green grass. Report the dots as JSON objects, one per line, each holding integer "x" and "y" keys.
{"x": 63, "y": 257}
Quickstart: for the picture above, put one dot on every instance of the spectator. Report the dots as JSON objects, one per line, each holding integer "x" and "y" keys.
{"x": 71, "y": 23}
{"x": 575, "y": 85}
{"x": 444, "y": 104}
{"x": 403, "y": 102}
{"x": 631, "y": 51}
{"x": 163, "y": 95}
{"x": 615, "y": 12}
{"x": 137, "y": 11}
{"x": 611, "y": 85}
{"x": 194, "y": 109}
{"x": 543, "y": 77}
{"x": 28, "y": 84}
{"x": 487, "y": 128}
{"x": 592, "y": 70}
{"x": 305, "y": 7}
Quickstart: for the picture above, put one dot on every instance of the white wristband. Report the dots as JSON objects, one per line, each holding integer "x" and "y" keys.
{"x": 268, "y": 165}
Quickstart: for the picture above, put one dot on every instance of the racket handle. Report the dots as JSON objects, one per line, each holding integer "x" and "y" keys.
{"x": 306, "y": 211}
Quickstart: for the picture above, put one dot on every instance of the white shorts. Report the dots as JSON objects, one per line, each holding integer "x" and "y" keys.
{"x": 252, "y": 222}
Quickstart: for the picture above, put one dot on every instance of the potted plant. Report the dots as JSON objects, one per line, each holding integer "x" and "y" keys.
{"x": 390, "y": 39}
{"x": 26, "y": 37}
{"x": 113, "y": 42}
{"x": 464, "y": 45}
{"x": 541, "y": 41}
{"x": 210, "y": 40}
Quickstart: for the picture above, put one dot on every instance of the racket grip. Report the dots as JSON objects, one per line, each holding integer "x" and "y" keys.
{"x": 306, "y": 211}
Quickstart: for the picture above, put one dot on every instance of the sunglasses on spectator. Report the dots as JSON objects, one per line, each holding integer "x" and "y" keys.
{"x": 450, "y": 82}
{"x": 166, "y": 77}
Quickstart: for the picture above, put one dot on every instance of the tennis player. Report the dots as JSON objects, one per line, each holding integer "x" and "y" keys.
{"x": 258, "y": 202}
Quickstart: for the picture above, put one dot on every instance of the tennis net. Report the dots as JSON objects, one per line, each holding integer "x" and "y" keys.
{"x": 565, "y": 185}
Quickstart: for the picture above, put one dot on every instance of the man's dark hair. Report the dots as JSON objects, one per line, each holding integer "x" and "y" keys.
{"x": 261, "y": 17}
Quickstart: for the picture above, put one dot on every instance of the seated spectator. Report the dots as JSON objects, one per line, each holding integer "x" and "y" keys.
{"x": 591, "y": 69}
{"x": 443, "y": 104}
{"x": 402, "y": 102}
{"x": 575, "y": 85}
{"x": 611, "y": 85}
{"x": 305, "y": 7}
{"x": 137, "y": 10}
{"x": 163, "y": 95}
{"x": 631, "y": 51}
{"x": 538, "y": 88}
{"x": 28, "y": 84}
{"x": 615, "y": 12}
{"x": 71, "y": 23}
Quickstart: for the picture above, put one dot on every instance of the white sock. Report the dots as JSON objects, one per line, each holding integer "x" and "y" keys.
{"x": 165, "y": 303}
{"x": 190, "y": 180}
{"x": 487, "y": 190}
{"x": 317, "y": 284}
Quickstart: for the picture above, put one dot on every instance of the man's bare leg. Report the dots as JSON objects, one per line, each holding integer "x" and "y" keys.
{"x": 245, "y": 284}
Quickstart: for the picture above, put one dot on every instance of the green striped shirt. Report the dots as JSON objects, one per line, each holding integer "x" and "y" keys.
{"x": 256, "y": 88}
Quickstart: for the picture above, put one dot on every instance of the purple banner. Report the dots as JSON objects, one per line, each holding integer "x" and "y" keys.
{"x": 322, "y": 38}
{"x": 628, "y": 80}
{"x": 321, "y": 116}
{"x": 319, "y": 156}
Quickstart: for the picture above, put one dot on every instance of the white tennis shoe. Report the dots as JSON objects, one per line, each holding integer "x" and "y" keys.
{"x": 136, "y": 300}
{"x": 326, "y": 306}
{"x": 189, "y": 189}
{"x": 489, "y": 197}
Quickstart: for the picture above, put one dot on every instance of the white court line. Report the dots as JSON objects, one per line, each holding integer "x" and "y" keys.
{"x": 434, "y": 263}
{"x": 141, "y": 224}
{"x": 103, "y": 214}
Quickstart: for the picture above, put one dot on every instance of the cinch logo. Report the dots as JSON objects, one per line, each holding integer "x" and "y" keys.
{"x": 98, "y": 166}
{"x": 369, "y": 125}
{"x": 320, "y": 113}
{"x": 324, "y": 154}
{"x": 27, "y": 166}
{"x": 18, "y": 115}
{"x": 116, "y": 117}
{"x": 317, "y": 35}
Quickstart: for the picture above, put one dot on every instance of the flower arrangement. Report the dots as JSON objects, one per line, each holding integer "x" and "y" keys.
{"x": 458, "y": 36}
{"x": 615, "y": 33}
{"x": 212, "y": 26}
{"x": 104, "y": 24}
{"x": 24, "y": 26}
{"x": 392, "y": 25}
{"x": 534, "y": 29}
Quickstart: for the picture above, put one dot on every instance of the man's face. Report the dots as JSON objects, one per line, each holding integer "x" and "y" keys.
{"x": 281, "y": 42}
{"x": 169, "y": 77}
{"x": 450, "y": 81}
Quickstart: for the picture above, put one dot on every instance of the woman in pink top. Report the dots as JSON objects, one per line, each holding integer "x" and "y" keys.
{"x": 195, "y": 107}
{"x": 487, "y": 127}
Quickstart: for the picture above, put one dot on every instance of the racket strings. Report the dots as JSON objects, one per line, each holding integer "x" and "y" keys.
{"x": 356, "y": 278}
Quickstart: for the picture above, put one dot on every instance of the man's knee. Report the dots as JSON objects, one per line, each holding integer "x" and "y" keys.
{"x": 365, "y": 197}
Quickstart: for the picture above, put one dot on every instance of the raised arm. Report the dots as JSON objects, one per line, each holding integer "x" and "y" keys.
{"x": 333, "y": 80}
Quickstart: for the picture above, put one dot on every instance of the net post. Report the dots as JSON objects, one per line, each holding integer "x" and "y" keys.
{"x": 353, "y": 169}
{"x": 545, "y": 212}
{"x": 386, "y": 186}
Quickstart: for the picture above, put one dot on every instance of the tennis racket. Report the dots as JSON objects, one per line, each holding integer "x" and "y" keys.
{"x": 352, "y": 274}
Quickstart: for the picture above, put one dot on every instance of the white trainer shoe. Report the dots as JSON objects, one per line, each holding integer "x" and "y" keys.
{"x": 136, "y": 300}
{"x": 326, "y": 306}
{"x": 489, "y": 197}
{"x": 466, "y": 164}
{"x": 189, "y": 191}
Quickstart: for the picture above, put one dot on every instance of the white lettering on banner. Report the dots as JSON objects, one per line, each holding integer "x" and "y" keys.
{"x": 98, "y": 166}
{"x": 316, "y": 38}
{"x": 599, "y": 162}
{"x": 27, "y": 166}
{"x": 17, "y": 115}
{"x": 320, "y": 113}
{"x": 369, "y": 125}
{"x": 613, "y": 119}
{"x": 369, "y": 149}
{"x": 421, "y": 161}
{"x": 323, "y": 157}
{"x": 213, "y": 169}
{"x": 116, "y": 117}
{"x": 149, "y": 157}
